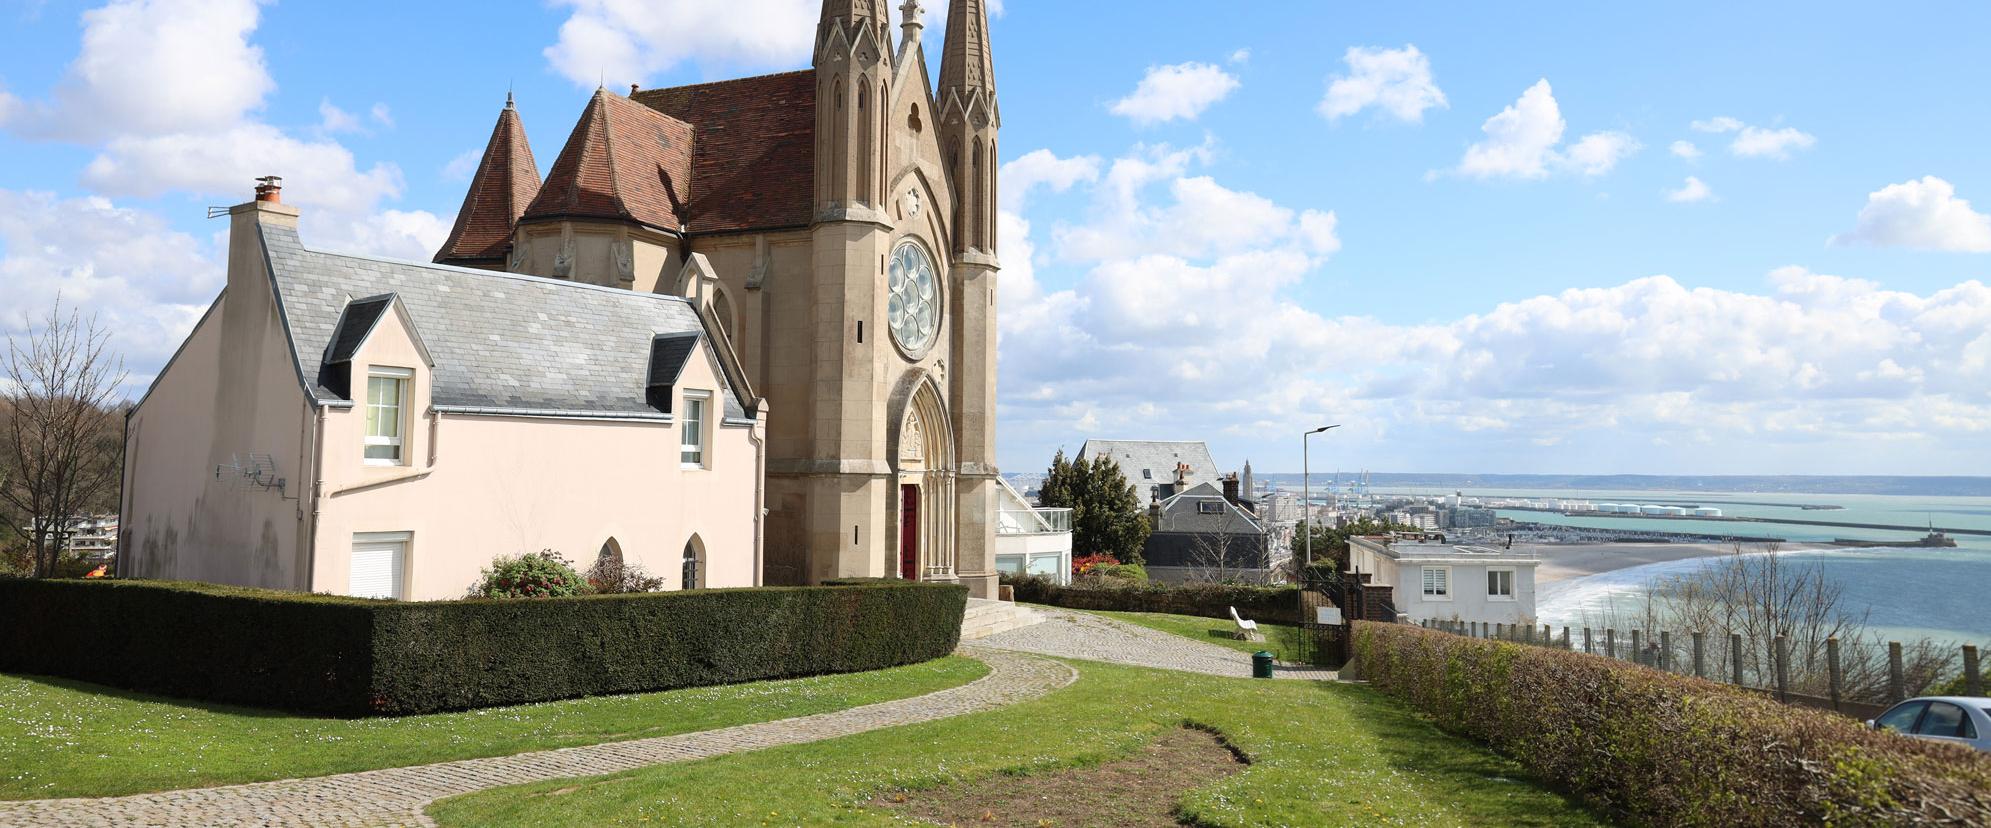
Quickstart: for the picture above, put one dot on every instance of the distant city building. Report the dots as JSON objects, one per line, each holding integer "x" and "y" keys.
{"x": 89, "y": 536}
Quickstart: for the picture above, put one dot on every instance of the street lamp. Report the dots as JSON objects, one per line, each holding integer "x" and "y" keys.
{"x": 1307, "y": 495}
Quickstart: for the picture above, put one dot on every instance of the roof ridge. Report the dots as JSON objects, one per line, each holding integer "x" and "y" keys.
{"x": 662, "y": 89}
{"x": 490, "y": 274}
{"x": 608, "y": 151}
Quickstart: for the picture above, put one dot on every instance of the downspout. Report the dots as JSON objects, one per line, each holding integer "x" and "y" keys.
{"x": 317, "y": 455}
{"x": 124, "y": 497}
{"x": 754, "y": 435}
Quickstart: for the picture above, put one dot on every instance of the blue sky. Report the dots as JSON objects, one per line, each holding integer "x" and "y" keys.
{"x": 1483, "y": 251}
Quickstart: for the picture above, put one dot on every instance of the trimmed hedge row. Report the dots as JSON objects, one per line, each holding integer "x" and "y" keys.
{"x": 1272, "y": 605}
{"x": 346, "y": 656}
{"x": 1655, "y": 748}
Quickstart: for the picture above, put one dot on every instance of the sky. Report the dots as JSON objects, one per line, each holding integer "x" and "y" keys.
{"x": 1689, "y": 238}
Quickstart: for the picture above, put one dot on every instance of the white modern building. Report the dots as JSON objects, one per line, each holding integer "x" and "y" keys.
{"x": 1030, "y": 540}
{"x": 1449, "y": 582}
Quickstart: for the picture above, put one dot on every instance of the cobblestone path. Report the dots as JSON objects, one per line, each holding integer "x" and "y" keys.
{"x": 1073, "y": 634}
{"x": 397, "y": 796}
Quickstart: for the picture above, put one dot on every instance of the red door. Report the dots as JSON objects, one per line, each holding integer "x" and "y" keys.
{"x": 909, "y": 532}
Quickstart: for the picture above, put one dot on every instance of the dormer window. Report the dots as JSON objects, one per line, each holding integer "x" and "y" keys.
{"x": 386, "y": 414}
{"x": 1210, "y": 507}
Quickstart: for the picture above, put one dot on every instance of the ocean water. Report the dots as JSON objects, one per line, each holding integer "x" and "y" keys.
{"x": 1907, "y": 594}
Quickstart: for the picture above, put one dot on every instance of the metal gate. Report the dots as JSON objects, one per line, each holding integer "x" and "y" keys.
{"x": 1324, "y": 611}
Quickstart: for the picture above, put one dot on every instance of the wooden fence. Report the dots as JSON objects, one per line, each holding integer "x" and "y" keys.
{"x": 1691, "y": 655}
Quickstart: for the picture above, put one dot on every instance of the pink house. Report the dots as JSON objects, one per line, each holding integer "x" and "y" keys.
{"x": 351, "y": 425}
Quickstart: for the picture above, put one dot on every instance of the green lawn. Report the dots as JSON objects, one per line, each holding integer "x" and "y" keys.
{"x": 62, "y": 738}
{"x": 1207, "y": 630}
{"x": 1323, "y": 754}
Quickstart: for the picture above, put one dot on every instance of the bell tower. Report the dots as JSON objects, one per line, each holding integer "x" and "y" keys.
{"x": 968, "y": 119}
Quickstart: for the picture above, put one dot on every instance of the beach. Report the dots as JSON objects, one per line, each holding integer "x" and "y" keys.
{"x": 1564, "y": 562}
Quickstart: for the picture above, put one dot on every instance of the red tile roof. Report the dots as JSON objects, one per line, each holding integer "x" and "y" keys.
{"x": 506, "y": 181}
{"x": 753, "y": 167}
{"x": 623, "y": 161}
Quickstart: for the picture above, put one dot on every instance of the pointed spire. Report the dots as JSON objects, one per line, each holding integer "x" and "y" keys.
{"x": 968, "y": 64}
{"x": 624, "y": 161}
{"x": 507, "y": 180}
{"x": 852, "y": 15}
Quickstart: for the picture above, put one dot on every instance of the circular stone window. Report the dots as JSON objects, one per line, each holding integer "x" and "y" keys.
{"x": 914, "y": 307}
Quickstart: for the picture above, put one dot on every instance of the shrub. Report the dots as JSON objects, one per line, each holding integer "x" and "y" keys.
{"x": 1276, "y": 605}
{"x": 1655, "y": 748}
{"x": 348, "y": 656}
{"x": 611, "y": 576}
{"x": 542, "y": 574}
{"x": 1122, "y": 572}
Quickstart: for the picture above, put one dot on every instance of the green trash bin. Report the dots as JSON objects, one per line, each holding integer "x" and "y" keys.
{"x": 1261, "y": 664}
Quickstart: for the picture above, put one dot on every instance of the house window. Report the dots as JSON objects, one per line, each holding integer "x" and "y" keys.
{"x": 379, "y": 566}
{"x": 692, "y": 453}
{"x": 1147, "y": 474}
{"x": 1438, "y": 583}
{"x": 386, "y": 397}
{"x": 1210, "y": 507}
{"x": 1500, "y": 584}
{"x": 693, "y": 575}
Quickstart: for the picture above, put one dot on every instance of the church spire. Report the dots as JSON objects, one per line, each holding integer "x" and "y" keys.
{"x": 853, "y": 17}
{"x": 507, "y": 180}
{"x": 969, "y": 119}
{"x": 853, "y": 78}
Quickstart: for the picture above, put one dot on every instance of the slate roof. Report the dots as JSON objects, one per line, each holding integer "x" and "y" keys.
{"x": 1157, "y": 457}
{"x": 501, "y": 342}
{"x": 754, "y": 152}
{"x": 1183, "y": 513}
{"x": 506, "y": 182}
{"x": 623, "y": 161}
{"x": 354, "y": 324}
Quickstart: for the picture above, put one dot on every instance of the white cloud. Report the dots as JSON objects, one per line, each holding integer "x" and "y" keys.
{"x": 156, "y": 66}
{"x": 1757, "y": 142}
{"x": 146, "y": 283}
{"x": 464, "y": 165}
{"x": 1717, "y": 125}
{"x": 1396, "y": 81}
{"x": 1179, "y": 92}
{"x": 1043, "y": 168}
{"x": 382, "y": 115}
{"x": 333, "y": 119}
{"x": 1241, "y": 56}
{"x": 1521, "y": 142}
{"x": 1925, "y": 214}
{"x": 619, "y": 42}
{"x": 225, "y": 164}
{"x": 1692, "y": 190}
{"x": 1685, "y": 149}
{"x": 1598, "y": 152}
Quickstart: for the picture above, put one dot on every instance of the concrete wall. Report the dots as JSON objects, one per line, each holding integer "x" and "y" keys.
{"x": 477, "y": 487}
{"x": 1469, "y": 599}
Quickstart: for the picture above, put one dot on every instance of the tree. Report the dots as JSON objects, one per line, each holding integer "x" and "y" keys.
{"x": 62, "y": 447}
{"x": 1330, "y": 543}
{"x": 1106, "y": 516}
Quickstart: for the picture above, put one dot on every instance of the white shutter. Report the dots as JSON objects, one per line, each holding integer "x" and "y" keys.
{"x": 376, "y": 570}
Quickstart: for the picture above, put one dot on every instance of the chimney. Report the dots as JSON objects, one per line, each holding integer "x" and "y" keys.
{"x": 246, "y": 221}
{"x": 1181, "y": 476}
{"x": 1230, "y": 488}
{"x": 1154, "y": 513}
{"x": 270, "y": 188}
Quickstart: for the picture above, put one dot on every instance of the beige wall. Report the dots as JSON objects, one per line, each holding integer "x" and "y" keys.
{"x": 232, "y": 391}
{"x": 475, "y": 487}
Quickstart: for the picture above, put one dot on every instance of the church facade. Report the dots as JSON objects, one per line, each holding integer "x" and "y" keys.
{"x": 838, "y": 224}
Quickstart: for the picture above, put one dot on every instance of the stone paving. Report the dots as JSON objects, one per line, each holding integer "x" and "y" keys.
{"x": 1073, "y": 634}
{"x": 397, "y": 796}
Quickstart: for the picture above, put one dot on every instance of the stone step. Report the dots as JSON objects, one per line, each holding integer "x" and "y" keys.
{"x": 985, "y": 618}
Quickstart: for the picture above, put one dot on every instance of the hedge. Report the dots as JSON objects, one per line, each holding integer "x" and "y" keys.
{"x": 347, "y": 656}
{"x": 1274, "y": 605}
{"x": 1655, "y": 748}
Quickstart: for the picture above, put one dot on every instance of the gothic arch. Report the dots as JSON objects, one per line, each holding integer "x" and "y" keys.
{"x": 611, "y": 550}
{"x": 922, "y": 451}
{"x": 691, "y": 566}
{"x": 933, "y": 226}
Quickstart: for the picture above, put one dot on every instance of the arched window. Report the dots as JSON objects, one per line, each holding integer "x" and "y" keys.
{"x": 611, "y": 551}
{"x": 693, "y": 576}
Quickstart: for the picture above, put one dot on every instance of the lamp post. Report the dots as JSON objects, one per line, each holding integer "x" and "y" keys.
{"x": 1307, "y": 496}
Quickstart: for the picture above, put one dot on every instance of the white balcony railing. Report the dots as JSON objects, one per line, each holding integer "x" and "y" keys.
{"x": 1033, "y": 521}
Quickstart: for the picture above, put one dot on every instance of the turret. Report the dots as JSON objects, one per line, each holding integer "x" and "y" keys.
{"x": 853, "y": 71}
{"x": 507, "y": 180}
{"x": 969, "y": 119}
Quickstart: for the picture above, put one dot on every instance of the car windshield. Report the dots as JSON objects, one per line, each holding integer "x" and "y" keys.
{"x": 1902, "y": 718}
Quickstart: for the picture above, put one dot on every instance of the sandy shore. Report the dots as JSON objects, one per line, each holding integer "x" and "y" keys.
{"x": 1563, "y": 562}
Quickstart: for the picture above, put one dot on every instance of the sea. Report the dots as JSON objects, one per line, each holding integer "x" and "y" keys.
{"x": 1907, "y": 594}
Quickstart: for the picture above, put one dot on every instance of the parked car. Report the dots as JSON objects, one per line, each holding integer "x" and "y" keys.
{"x": 1962, "y": 720}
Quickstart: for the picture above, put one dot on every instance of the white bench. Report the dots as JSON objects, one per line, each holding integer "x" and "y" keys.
{"x": 1247, "y": 630}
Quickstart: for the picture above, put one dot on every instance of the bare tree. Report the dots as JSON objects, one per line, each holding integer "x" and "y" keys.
{"x": 62, "y": 446}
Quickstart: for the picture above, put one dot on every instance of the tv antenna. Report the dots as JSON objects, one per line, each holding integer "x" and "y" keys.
{"x": 251, "y": 471}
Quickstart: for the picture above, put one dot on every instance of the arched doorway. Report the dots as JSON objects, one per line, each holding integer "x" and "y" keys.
{"x": 925, "y": 465}
{"x": 692, "y": 569}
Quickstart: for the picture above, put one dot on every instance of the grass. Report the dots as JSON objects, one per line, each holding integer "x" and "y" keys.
{"x": 61, "y": 738}
{"x": 1208, "y": 630}
{"x": 1322, "y": 754}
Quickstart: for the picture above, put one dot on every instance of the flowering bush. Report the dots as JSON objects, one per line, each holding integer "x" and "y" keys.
{"x": 1085, "y": 563}
{"x": 542, "y": 574}
{"x": 610, "y": 576}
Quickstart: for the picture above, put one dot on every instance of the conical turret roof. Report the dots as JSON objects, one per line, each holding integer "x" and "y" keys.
{"x": 506, "y": 182}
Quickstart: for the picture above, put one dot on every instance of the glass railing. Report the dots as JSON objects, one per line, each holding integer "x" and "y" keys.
{"x": 1033, "y": 521}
